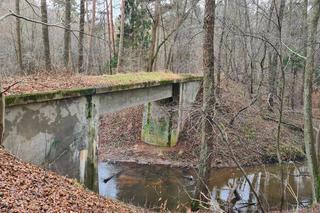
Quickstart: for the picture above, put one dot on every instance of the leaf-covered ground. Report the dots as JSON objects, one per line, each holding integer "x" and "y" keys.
{"x": 27, "y": 188}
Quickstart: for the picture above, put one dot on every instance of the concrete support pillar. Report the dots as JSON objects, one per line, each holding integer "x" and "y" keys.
{"x": 160, "y": 123}
{"x": 163, "y": 120}
{"x": 89, "y": 155}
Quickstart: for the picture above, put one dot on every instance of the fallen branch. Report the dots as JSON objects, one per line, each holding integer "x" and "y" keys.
{"x": 243, "y": 109}
{"x": 106, "y": 180}
{"x": 287, "y": 124}
{"x": 9, "y": 87}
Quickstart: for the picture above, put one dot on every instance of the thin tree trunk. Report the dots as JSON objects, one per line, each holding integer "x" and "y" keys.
{"x": 219, "y": 65}
{"x": 280, "y": 14}
{"x": 112, "y": 29}
{"x": 92, "y": 29}
{"x": 109, "y": 36}
{"x": 67, "y": 33}
{"x": 120, "y": 50}
{"x": 154, "y": 35}
{"x": 273, "y": 63}
{"x": 305, "y": 44}
{"x": 81, "y": 36}
{"x": 308, "y": 125}
{"x": 251, "y": 50}
{"x": 18, "y": 32}
{"x": 45, "y": 34}
{"x": 208, "y": 101}
{"x": 2, "y": 114}
{"x": 293, "y": 88}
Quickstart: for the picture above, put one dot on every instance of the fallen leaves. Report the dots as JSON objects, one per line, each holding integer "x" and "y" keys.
{"x": 44, "y": 82}
{"x": 27, "y": 188}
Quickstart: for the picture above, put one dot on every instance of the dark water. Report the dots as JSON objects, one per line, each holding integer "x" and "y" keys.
{"x": 155, "y": 186}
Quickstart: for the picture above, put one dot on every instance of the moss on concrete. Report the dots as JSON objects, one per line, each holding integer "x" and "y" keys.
{"x": 158, "y": 131}
{"x": 12, "y": 100}
{"x": 104, "y": 84}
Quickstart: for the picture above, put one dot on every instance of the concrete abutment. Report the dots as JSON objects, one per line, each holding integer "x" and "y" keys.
{"x": 62, "y": 134}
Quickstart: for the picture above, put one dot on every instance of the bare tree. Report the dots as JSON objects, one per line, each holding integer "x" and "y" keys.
{"x": 223, "y": 29}
{"x": 120, "y": 50}
{"x": 305, "y": 43}
{"x": 208, "y": 100}
{"x": 45, "y": 35}
{"x": 92, "y": 29}
{"x": 156, "y": 21}
{"x": 67, "y": 33}
{"x": 108, "y": 33}
{"x": 308, "y": 124}
{"x": 81, "y": 36}
{"x": 112, "y": 28}
{"x": 18, "y": 34}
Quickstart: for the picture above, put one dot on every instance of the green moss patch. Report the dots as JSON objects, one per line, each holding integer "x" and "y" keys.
{"x": 84, "y": 85}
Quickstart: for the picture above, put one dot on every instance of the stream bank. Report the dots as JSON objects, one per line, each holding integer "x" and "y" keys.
{"x": 252, "y": 135}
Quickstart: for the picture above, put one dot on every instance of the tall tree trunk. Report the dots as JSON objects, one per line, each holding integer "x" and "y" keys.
{"x": 81, "y": 36}
{"x": 112, "y": 28}
{"x": 18, "y": 32}
{"x": 45, "y": 34}
{"x": 155, "y": 25}
{"x": 219, "y": 65}
{"x": 293, "y": 88}
{"x": 273, "y": 62}
{"x": 305, "y": 43}
{"x": 2, "y": 113}
{"x": 92, "y": 29}
{"x": 251, "y": 53}
{"x": 308, "y": 125}
{"x": 67, "y": 33}
{"x": 120, "y": 50}
{"x": 293, "y": 69}
{"x": 208, "y": 101}
{"x": 109, "y": 35}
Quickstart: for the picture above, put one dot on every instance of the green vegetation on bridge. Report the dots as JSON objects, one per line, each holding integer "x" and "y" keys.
{"x": 82, "y": 85}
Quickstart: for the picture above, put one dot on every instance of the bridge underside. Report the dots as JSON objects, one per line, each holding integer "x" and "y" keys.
{"x": 62, "y": 134}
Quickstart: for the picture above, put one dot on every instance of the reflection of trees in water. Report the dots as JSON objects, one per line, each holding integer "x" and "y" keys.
{"x": 267, "y": 184}
{"x": 151, "y": 186}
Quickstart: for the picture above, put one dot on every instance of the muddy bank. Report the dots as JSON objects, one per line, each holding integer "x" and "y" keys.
{"x": 252, "y": 135}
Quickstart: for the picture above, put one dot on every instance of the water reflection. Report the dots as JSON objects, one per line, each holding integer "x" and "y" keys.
{"x": 155, "y": 186}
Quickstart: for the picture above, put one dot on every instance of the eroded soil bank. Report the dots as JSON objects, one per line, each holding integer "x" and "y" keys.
{"x": 252, "y": 135}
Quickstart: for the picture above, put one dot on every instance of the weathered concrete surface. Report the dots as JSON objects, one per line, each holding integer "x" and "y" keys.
{"x": 62, "y": 134}
{"x": 116, "y": 101}
{"x": 164, "y": 120}
{"x": 157, "y": 127}
{"x": 50, "y": 134}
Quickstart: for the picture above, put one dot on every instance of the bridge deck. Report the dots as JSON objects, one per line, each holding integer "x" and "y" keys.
{"x": 38, "y": 89}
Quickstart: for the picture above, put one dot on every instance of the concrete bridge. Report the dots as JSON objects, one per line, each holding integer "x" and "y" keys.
{"x": 59, "y": 130}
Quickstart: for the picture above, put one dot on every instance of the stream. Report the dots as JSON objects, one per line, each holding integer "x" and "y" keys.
{"x": 153, "y": 187}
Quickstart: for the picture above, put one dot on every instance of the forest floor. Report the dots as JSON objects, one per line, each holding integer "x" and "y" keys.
{"x": 252, "y": 135}
{"x": 27, "y": 188}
